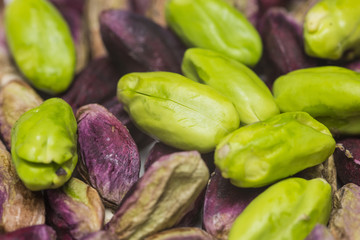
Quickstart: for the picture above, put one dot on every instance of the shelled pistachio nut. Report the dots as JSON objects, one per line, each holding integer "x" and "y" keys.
{"x": 264, "y": 152}
{"x": 41, "y": 44}
{"x": 207, "y": 24}
{"x": 332, "y": 30}
{"x": 44, "y": 145}
{"x": 330, "y": 94}
{"x": 176, "y": 110}
{"x": 232, "y": 79}
{"x": 288, "y": 210}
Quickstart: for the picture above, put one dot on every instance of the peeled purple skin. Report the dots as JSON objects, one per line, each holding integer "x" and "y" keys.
{"x": 36, "y": 232}
{"x": 355, "y": 65}
{"x": 136, "y": 43}
{"x": 347, "y": 160}
{"x": 74, "y": 218}
{"x": 283, "y": 44}
{"x": 109, "y": 158}
{"x": 116, "y": 107}
{"x": 223, "y": 204}
{"x": 320, "y": 232}
{"x": 95, "y": 84}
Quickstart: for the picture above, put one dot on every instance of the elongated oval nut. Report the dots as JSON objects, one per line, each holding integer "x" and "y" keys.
{"x": 330, "y": 94}
{"x": 264, "y": 152}
{"x": 207, "y": 24}
{"x": 176, "y": 110}
{"x": 332, "y": 30}
{"x": 251, "y": 97}
{"x": 41, "y": 44}
{"x": 287, "y": 210}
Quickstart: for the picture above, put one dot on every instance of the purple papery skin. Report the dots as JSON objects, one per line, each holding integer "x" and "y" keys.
{"x": 355, "y": 66}
{"x": 137, "y": 44}
{"x": 117, "y": 109}
{"x": 347, "y": 160}
{"x": 36, "y": 232}
{"x": 3, "y": 197}
{"x": 109, "y": 156}
{"x": 320, "y": 232}
{"x": 223, "y": 203}
{"x": 95, "y": 84}
{"x": 283, "y": 44}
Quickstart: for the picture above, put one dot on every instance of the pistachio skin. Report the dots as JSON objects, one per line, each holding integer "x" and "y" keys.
{"x": 206, "y": 24}
{"x": 41, "y": 44}
{"x": 35, "y": 232}
{"x": 288, "y": 210}
{"x": 331, "y": 29}
{"x": 232, "y": 79}
{"x": 44, "y": 145}
{"x": 176, "y": 110}
{"x": 320, "y": 232}
{"x": 264, "y": 152}
{"x": 330, "y": 94}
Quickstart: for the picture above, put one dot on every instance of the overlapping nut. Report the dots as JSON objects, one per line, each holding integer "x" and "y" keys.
{"x": 109, "y": 158}
{"x": 161, "y": 197}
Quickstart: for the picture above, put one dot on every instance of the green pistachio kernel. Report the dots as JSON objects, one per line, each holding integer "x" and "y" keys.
{"x": 330, "y": 94}
{"x": 41, "y": 44}
{"x": 215, "y": 25}
{"x": 44, "y": 145}
{"x": 264, "y": 152}
{"x": 176, "y": 110}
{"x": 332, "y": 29}
{"x": 288, "y": 210}
{"x": 251, "y": 97}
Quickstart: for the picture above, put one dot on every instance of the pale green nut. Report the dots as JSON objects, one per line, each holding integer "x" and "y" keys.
{"x": 251, "y": 97}
{"x": 176, "y": 110}
{"x": 330, "y": 94}
{"x": 215, "y": 25}
{"x": 259, "y": 154}
{"x": 41, "y": 44}
{"x": 332, "y": 29}
{"x": 44, "y": 145}
{"x": 288, "y": 210}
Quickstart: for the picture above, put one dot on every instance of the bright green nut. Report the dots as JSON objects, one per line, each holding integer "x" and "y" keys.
{"x": 251, "y": 97}
{"x": 329, "y": 94}
{"x": 176, "y": 110}
{"x": 41, "y": 44}
{"x": 332, "y": 28}
{"x": 44, "y": 145}
{"x": 288, "y": 210}
{"x": 264, "y": 152}
{"x": 207, "y": 24}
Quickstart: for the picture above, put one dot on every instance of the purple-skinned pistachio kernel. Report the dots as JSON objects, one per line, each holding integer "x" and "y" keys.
{"x": 152, "y": 9}
{"x": 109, "y": 158}
{"x": 355, "y": 65}
{"x": 223, "y": 204}
{"x": 116, "y": 107}
{"x": 74, "y": 210}
{"x": 19, "y": 207}
{"x": 16, "y": 97}
{"x": 347, "y": 160}
{"x": 320, "y": 232}
{"x": 35, "y": 232}
{"x": 282, "y": 38}
{"x": 95, "y": 84}
{"x": 161, "y": 198}
{"x": 185, "y": 233}
{"x": 136, "y": 43}
{"x": 345, "y": 217}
